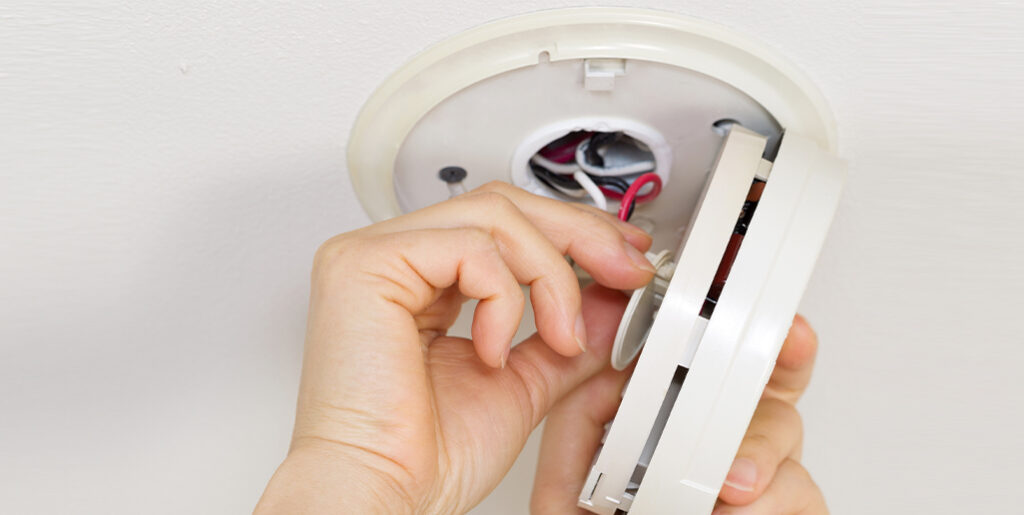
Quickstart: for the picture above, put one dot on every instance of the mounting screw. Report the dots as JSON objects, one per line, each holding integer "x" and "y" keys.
{"x": 452, "y": 174}
{"x": 453, "y": 177}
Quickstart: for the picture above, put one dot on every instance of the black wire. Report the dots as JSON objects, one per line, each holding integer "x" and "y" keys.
{"x": 632, "y": 207}
{"x": 549, "y": 185}
{"x": 597, "y": 141}
{"x": 615, "y": 182}
{"x": 550, "y": 178}
{"x": 557, "y": 181}
{"x": 618, "y": 183}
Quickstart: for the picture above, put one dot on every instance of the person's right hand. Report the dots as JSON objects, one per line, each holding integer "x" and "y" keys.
{"x": 394, "y": 416}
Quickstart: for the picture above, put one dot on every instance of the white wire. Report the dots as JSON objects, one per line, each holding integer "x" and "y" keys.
{"x": 591, "y": 189}
{"x": 576, "y": 194}
{"x": 553, "y": 167}
{"x": 630, "y": 169}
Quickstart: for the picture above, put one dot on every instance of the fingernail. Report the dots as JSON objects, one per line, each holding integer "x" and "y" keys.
{"x": 581, "y": 333}
{"x": 639, "y": 260}
{"x": 742, "y": 475}
{"x": 504, "y": 356}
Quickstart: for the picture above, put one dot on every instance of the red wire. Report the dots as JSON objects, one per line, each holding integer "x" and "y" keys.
{"x": 616, "y": 194}
{"x": 631, "y": 194}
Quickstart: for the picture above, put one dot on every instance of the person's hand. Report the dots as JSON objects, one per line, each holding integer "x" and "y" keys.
{"x": 393, "y": 415}
{"x": 766, "y": 477}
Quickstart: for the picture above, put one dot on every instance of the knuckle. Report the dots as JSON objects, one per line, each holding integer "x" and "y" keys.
{"x": 806, "y": 496}
{"x": 495, "y": 187}
{"x": 517, "y": 293}
{"x": 759, "y": 444}
{"x": 784, "y": 411}
{"x": 598, "y": 213}
{"x": 335, "y": 253}
{"x": 492, "y": 201}
{"x": 565, "y": 284}
{"x": 797, "y": 471}
{"x": 603, "y": 226}
{"x": 478, "y": 239}
{"x": 500, "y": 204}
{"x": 778, "y": 422}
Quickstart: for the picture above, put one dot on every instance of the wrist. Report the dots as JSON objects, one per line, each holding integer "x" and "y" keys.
{"x": 322, "y": 479}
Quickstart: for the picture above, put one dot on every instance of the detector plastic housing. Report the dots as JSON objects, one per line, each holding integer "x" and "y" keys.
{"x": 718, "y": 111}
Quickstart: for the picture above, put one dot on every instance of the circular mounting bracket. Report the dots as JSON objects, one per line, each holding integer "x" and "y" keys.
{"x": 552, "y": 37}
{"x": 640, "y": 312}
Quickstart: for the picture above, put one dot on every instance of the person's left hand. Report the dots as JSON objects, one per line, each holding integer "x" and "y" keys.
{"x": 766, "y": 477}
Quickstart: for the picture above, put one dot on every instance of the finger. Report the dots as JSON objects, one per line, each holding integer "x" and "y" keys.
{"x": 554, "y": 288}
{"x": 399, "y": 275}
{"x": 775, "y": 434}
{"x": 540, "y": 377}
{"x": 540, "y": 206}
{"x": 589, "y": 239}
{"x": 535, "y": 257}
{"x": 572, "y": 434}
{"x": 440, "y": 316}
{"x": 792, "y": 492}
{"x": 795, "y": 363}
{"x": 602, "y": 245}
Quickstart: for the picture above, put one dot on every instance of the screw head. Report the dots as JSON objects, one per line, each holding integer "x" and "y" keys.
{"x": 452, "y": 174}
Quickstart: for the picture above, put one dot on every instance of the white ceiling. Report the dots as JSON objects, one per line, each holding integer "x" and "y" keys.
{"x": 168, "y": 168}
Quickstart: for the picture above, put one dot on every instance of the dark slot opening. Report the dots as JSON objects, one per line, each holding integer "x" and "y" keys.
{"x": 659, "y": 426}
{"x": 732, "y": 249}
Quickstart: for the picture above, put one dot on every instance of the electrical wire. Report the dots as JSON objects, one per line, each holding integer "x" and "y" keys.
{"x": 640, "y": 199}
{"x": 612, "y": 187}
{"x": 585, "y": 176}
{"x": 555, "y": 167}
{"x": 597, "y": 141}
{"x": 585, "y": 153}
{"x": 591, "y": 188}
{"x": 563, "y": 150}
{"x": 578, "y": 194}
{"x": 615, "y": 182}
{"x": 630, "y": 169}
{"x": 549, "y": 177}
{"x": 619, "y": 184}
{"x": 629, "y": 198}
{"x": 559, "y": 183}
{"x": 604, "y": 183}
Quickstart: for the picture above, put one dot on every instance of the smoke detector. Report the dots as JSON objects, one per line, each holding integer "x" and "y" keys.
{"x": 713, "y": 143}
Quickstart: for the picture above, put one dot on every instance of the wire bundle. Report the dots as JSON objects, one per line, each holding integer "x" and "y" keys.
{"x": 575, "y": 166}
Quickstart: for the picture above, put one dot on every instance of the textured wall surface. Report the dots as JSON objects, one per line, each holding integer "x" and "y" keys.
{"x": 167, "y": 169}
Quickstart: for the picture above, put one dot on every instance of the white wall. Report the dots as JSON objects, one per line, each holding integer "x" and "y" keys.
{"x": 167, "y": 169}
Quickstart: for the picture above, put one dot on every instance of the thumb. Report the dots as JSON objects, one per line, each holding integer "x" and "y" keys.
{"x": 572, "y": 434}
{"x": 547, "y": 376}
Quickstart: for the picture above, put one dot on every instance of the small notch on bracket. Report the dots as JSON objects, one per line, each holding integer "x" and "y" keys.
{"x": 599, "y": 74}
